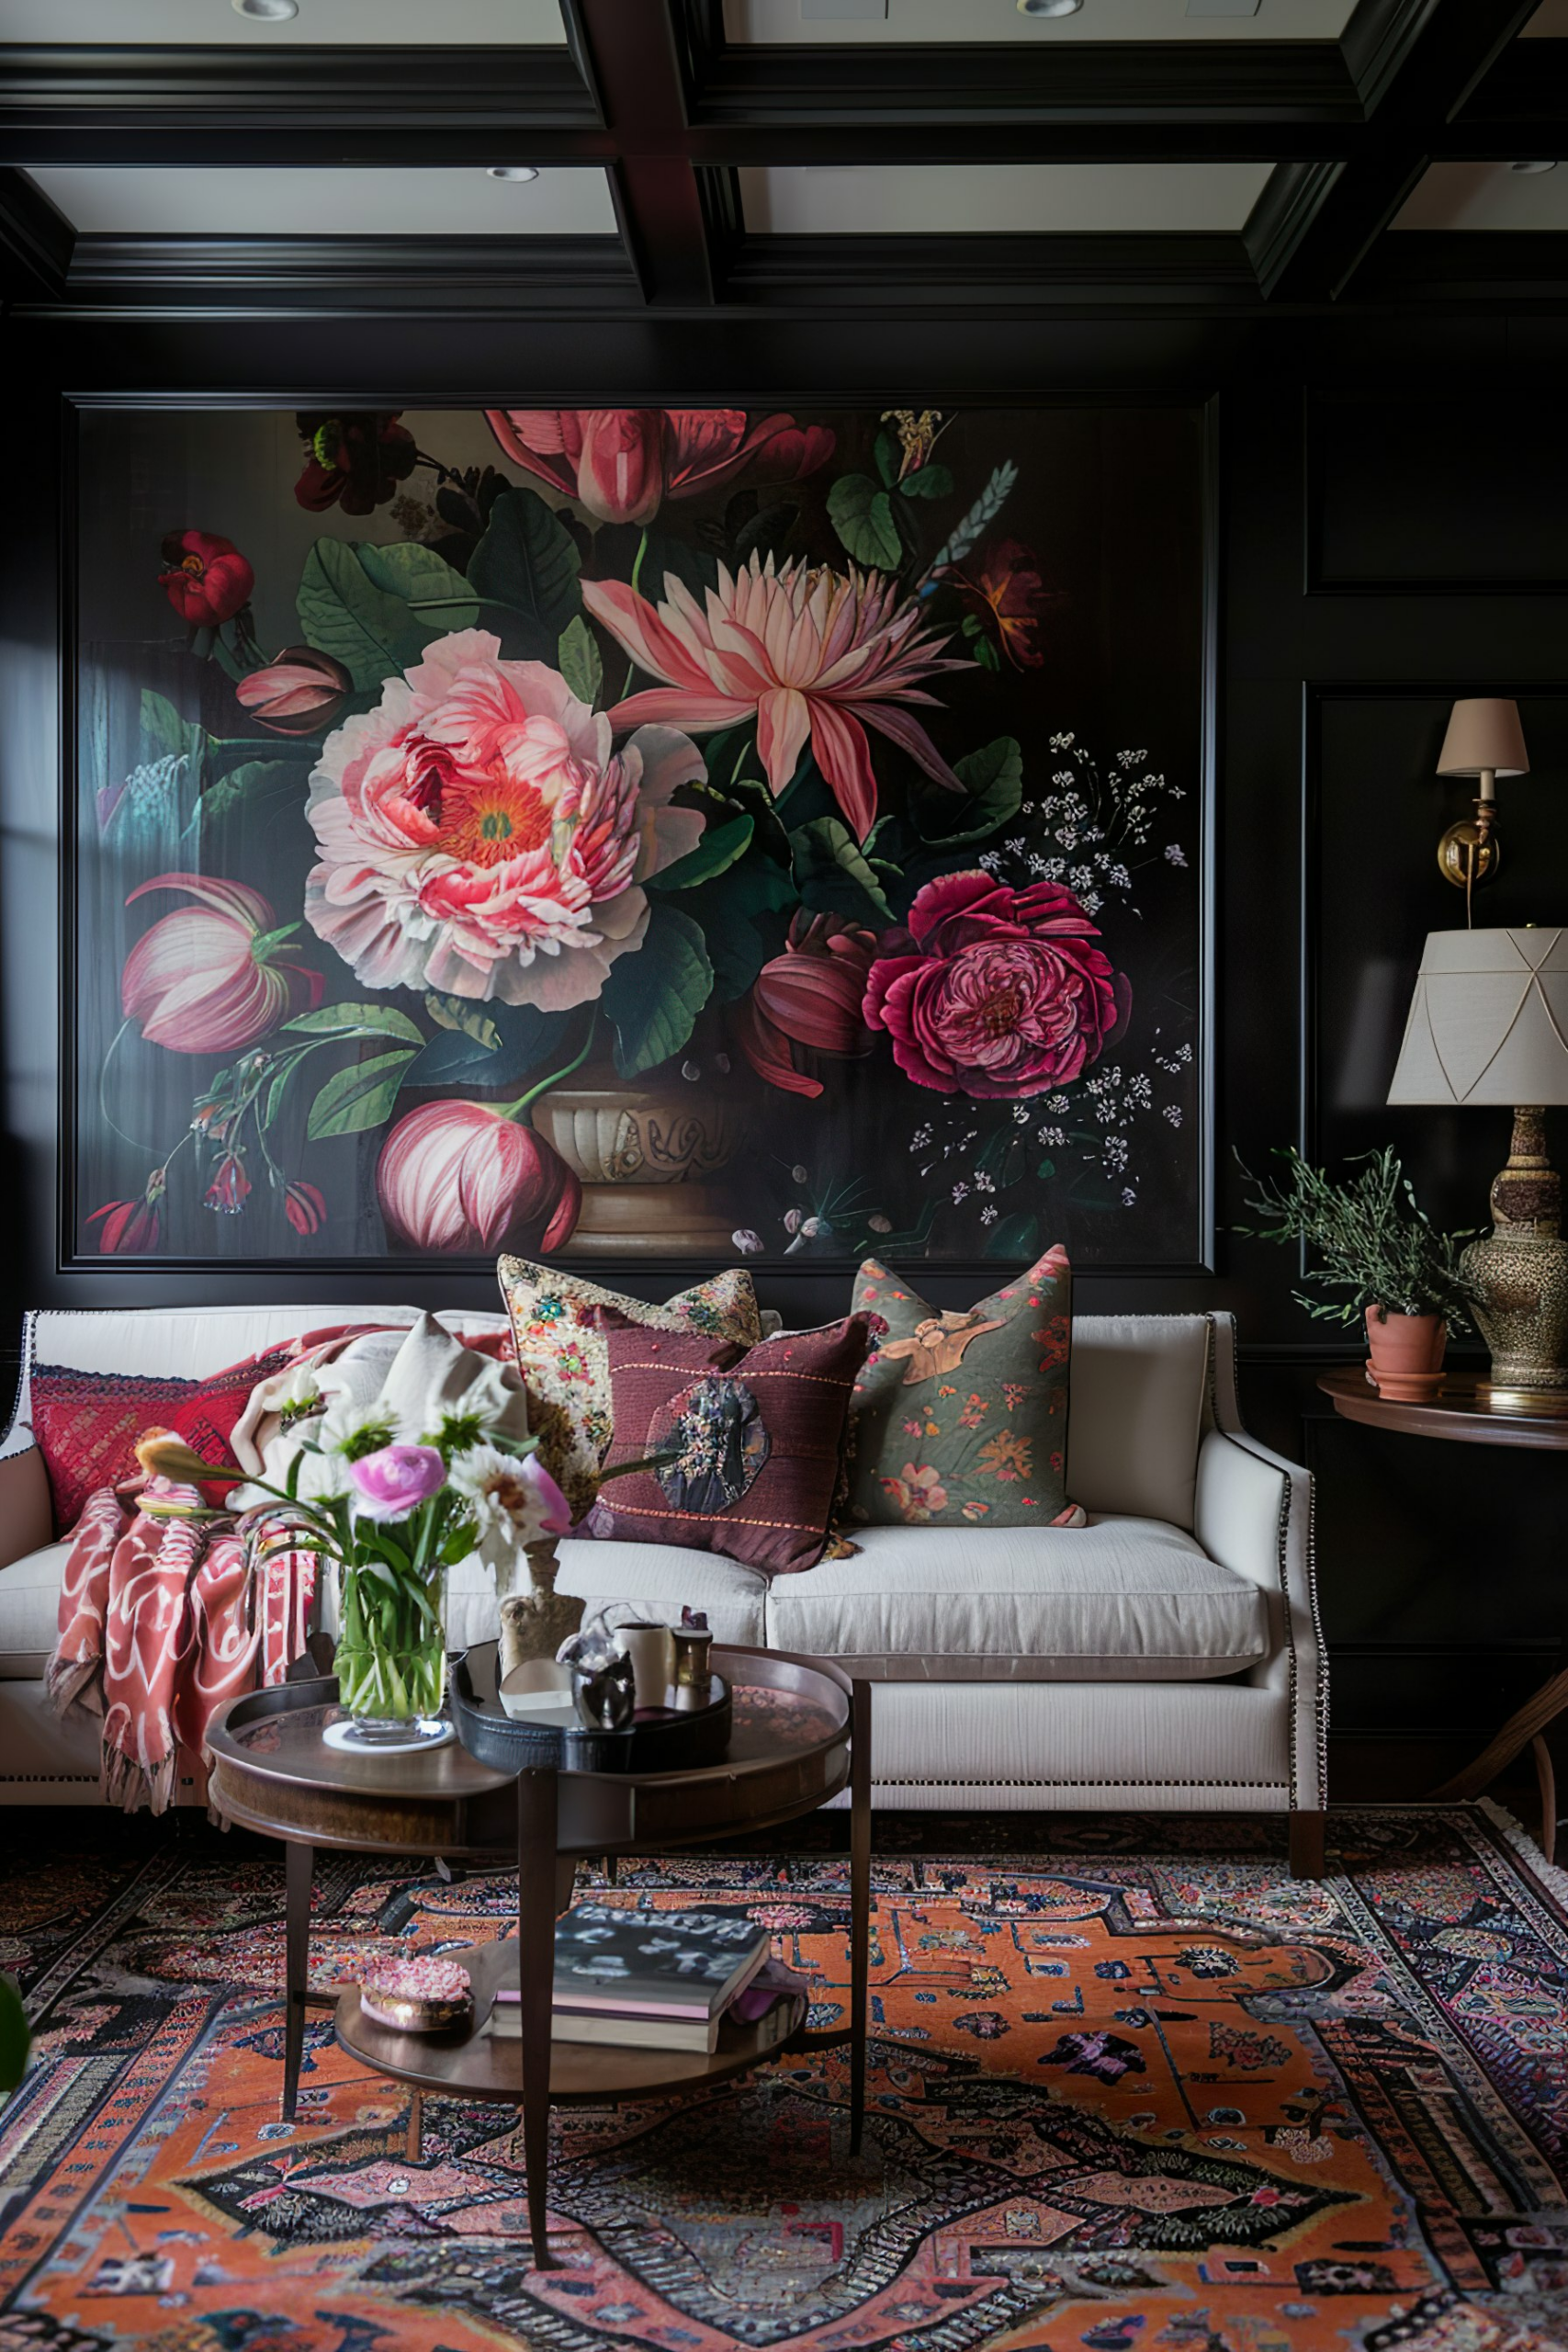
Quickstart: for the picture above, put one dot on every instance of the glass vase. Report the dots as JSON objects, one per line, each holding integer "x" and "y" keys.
{"x": 391, "y": 1656}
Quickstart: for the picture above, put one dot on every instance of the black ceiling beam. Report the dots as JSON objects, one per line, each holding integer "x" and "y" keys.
{"x": 1430, "y": 59}
{"x": 937, "y": 277}
{"x": 347, "y": 276}
{"x": 629, "y": 49}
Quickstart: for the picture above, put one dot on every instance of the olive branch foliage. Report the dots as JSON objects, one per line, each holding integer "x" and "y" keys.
{"x": 1375, "y": 1241}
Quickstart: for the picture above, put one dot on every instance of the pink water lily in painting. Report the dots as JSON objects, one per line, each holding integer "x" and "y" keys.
{"x": 213, "y": 978}
{"x": 479, "y": 835}
{"x": 462, "y": 1175}
{"x": 999, "y": 991}
{"x": 621, "y": 464}
{"x": 810, "y": 653}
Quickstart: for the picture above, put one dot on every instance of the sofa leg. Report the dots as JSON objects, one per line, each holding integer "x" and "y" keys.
{"x": 1309, "y": 1857}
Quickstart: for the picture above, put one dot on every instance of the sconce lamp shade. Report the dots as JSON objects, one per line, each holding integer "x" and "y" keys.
{"x": 1483, "y": 733}
{"x": 1489, "y": 1020}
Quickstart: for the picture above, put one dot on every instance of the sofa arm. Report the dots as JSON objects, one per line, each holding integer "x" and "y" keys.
{"x": 26, "y": 1512}
{"x": 1254, "y": 1515}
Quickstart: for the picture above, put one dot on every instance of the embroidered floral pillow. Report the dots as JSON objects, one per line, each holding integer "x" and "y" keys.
{"x": 566, "y": 1367}
{"x": 961, "y": 1416}
{"x": 746, "y": 1441}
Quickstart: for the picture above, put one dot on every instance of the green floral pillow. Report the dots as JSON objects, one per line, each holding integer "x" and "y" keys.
{"x": 962, "y": 1416}
{"x": 564, "y": 1365}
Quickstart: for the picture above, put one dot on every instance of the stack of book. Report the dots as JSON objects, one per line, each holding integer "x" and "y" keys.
{"x": 655, "y": 1980}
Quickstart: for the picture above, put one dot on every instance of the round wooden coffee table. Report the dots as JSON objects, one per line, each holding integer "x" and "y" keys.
{"x": 1457, "y": 1414}
{"x": 802, "y": 1733}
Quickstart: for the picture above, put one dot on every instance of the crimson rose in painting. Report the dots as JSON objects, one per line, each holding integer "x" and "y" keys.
{"x": 479, "y": 835}
{"x": 1000, "y": 992}
{"x": 206, "y": 578}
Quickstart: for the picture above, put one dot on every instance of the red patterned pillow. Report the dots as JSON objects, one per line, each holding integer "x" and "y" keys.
{"x": 86, "y": 1423}
{"x": 755, "y": 1435}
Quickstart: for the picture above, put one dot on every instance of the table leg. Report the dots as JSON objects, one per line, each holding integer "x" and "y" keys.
{"x": 416, "y": 2127}
{"x": 535, "y": 1987}
{"x": 1525, "y": 1725}
{"x": 299, "y": 1864}
{"x": 860, "y": 1902}
{"x": 1546, "y": 1781}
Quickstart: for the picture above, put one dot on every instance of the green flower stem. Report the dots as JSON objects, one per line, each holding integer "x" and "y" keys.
{"x": 516, "y": 1110}
{"x": 636, "y": 565}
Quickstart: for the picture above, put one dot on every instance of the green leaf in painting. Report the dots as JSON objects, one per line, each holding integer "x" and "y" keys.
{"x": 359, "y": 1097}
{"x": 580, "y": 662}
{"x": 928, "y": 481}
{"x": 426, "y": 582}
{"x": 862, "y": 516}
{"x": 654, "y": 996}
{"x": 885, "y": 449}
{"x": 992, "y": 795}
{"x": 357, "y": 1021}
{"x": 367, "y": 626}
{"x": 528, "y": 561}
{"x": 1013, "y": 1236}
{"x": 164, "y": 734}
{"x": 254, "y": 781}
{"x": 715, "y": 854}
{"x": 456, "y": 1012}
{"x": 834, "y": 872}
{"x": 743, "y": 918}
{"x": 488, "y": 1052}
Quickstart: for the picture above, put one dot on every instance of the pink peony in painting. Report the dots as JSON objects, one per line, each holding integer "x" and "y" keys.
{"x": 662, "y": 833}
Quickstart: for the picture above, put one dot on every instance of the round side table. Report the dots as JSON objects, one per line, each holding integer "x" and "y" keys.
{"x": 801, "y": 1733}
{"x": 1457, "y": 1414}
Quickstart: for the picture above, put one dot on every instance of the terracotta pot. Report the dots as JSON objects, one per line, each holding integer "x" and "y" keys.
{"x": 1406, "y": 1352}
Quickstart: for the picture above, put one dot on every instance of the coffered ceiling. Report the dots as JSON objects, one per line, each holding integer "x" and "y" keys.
{"x": 1230, "y": 158}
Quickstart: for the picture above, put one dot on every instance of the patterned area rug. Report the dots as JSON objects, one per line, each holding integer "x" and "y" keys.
{"x": 1130, "y": 2088}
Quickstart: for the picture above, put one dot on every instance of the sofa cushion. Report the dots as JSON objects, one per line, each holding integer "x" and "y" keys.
{"x": 1140, "y": 1390}
{"x": 1121, "y": 1600}
{"x": 960, "y": 1416}
{"x": 630, "y": 1579}
{"x": 29, "y": 1611}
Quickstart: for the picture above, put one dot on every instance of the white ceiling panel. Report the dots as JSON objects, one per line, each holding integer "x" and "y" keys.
{"x": 1487, "y": 196}
{"x": 998, "y": 199}
{"x": 379, "y": 24}
{"x": 458, "y": 202}
{"x": 775, "y": 23}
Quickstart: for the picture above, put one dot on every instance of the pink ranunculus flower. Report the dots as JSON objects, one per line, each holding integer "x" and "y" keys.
{"x": 211, "y": 979}
{"x": 811, "y": 651}
{"x": 620, "y": 464}
{"x": 477, "y": 834}
{"x": 396, "y": 1480}
{"x": 999, "y": 991}
{"x": 457, "y": 1175}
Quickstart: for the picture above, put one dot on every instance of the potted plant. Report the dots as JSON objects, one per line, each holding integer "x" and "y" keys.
{"x": 1379, "y": 1248}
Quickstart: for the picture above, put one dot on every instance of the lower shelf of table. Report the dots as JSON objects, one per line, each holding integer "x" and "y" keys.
{"x": 480, "y": 2065}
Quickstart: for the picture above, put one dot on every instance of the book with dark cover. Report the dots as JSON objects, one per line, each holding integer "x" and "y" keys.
{"x": 685, "y": 1965}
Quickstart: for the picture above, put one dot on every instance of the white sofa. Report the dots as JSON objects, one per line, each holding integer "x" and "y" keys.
{"x": 1167, "y": 1656}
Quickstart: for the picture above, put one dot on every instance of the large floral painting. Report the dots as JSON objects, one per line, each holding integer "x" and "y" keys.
{"x": 640, "y": 833}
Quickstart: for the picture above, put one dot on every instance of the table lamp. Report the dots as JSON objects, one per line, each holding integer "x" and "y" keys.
{"x": 1489, "y": 1026}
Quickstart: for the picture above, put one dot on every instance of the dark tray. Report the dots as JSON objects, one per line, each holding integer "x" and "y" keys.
{"x": 654, "y": 1741}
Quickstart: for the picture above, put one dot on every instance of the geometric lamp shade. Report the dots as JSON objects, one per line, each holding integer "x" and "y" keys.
{"x": 1489, "y": 1020}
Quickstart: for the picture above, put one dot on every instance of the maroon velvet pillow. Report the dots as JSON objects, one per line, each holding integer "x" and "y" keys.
{"x": 86, "y": 1423}
{"x": 755, "y": 1434}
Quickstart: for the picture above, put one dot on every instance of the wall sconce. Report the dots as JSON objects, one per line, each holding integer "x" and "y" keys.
{"x": 1485, "y": 740}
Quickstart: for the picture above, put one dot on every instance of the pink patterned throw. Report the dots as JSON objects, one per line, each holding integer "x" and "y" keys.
{"x": 159, "y": 1624}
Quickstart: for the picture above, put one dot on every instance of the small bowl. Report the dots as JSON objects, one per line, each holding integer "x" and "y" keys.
{"x": 423, "y": 1995}
{"x": 539, "y": 1692}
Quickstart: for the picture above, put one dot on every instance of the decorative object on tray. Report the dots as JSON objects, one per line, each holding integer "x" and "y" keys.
{"x": 743, "y": 1445}
{"x": 582, "y": 1714}
{"x": 394, "y": 1506}
{"x": 564, "y": 1365}
{"x": 1487, "y": 1027}
{"x": 961, "y": 1416}
{"x": 1403, "y": 1278}
{"x": 418, "y": 1995}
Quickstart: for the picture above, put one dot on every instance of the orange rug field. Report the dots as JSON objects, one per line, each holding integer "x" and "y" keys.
{"x": 1132, "y": 2088}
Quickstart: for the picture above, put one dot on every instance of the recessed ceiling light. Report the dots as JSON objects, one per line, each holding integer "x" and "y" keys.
{"x": 511, "y": 172}
{"x": 1533, "y": 167}
{"x": 266, "y": 12}
{"x": 1049, "y": 8}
